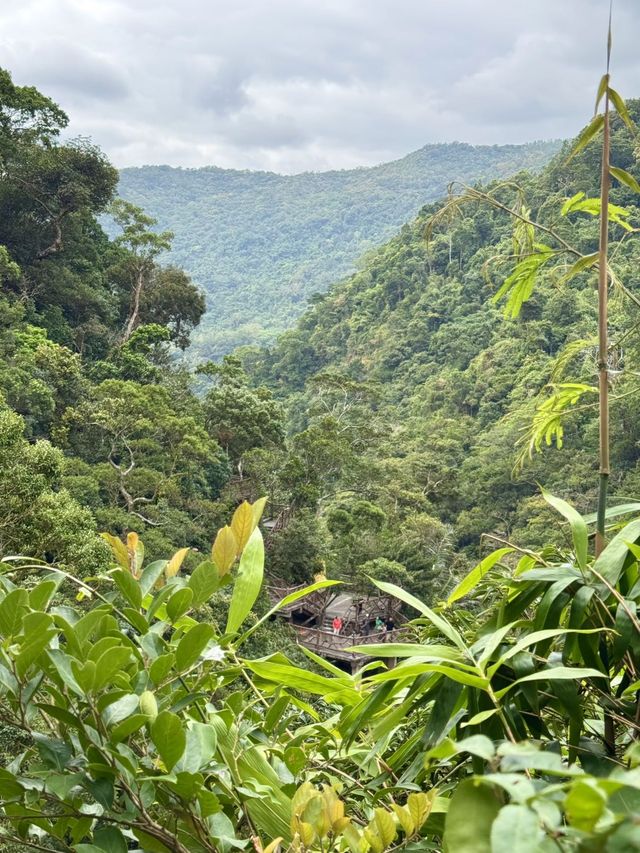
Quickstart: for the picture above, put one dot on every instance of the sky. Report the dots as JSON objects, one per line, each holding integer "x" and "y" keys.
{"x": 298, "y": 85}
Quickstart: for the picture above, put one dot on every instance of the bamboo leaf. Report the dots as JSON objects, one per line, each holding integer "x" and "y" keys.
{"x": 445, "y": 627}
{"x": 579, "y": 531}
{"x": 290, "y": 599}
{"x": 621, "y": 109}
{"x": 611, "y": 561}
{"x": 579, "y": 266}
{"x": 602, "y": 88}
{"x": 586, "y": 135}
{"x": 625, "y": 178}
{"x": 554, "y": 673}
{"x": 475, "y": 575}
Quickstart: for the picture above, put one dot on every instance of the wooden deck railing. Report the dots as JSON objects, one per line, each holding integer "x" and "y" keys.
{"x": 328, "y": 644}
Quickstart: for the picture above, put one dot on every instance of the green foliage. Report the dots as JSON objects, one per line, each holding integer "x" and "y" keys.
{"x": 261, "y": 244}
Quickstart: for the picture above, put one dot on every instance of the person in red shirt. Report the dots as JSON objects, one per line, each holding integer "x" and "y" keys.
{"x": 337, "y": 625}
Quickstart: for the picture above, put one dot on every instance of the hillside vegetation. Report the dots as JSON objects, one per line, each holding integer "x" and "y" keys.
{"x": 260, "y": 244}
{"x": 150, "y": 701}
{"x": 412, "y": 359}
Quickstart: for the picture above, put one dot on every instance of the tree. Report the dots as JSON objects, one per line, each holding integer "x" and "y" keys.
{"x": 172, "y": 300}
{"x": 238, "y": 417}
{"x": 142, "y": 247}
{"x": 37, "y": 516}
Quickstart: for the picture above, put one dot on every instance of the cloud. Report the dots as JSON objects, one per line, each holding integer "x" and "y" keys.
{"x": 292, "y": 85}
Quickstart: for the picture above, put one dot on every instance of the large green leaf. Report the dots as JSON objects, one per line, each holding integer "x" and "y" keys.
{"x": 474, "y": 577}
{"x": 516, "y": 829}
{"x": 169, "y": 738}
{"x": 611, "y": 561}
{"x": 554, "y": 673}
{"x": 579, "y": 531}
{"x": 471, "y": 813}
{"x": 248, "y": 582}
{"x": 193, "y": 644}
{"x": 428, "y": 651}
{"x": 331, "y": 689}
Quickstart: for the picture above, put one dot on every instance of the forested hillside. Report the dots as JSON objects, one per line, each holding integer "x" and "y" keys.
{"x": 412, "y": 360}
{"x": 261, "y": 244}
{"x": 150, "y": 699}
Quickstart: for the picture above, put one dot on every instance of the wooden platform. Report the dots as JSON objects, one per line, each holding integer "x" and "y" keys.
{"x": 311, "y": 617}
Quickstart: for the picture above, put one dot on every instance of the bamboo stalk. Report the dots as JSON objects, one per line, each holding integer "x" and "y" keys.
{"x": 603, "y": 336}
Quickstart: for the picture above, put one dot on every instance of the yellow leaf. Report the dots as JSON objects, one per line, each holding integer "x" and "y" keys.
{"x": 173, "y": 566}
{"x": 118, "y": 549}
{"x": 333, "y": 805}
{"x": 224, "y": 550}
{"x": 386, "y": 826}
{"x": 257, "y": 508}
{"x": 242, "y": 525}
{"x": 420, "y": 806}
{"x": 135, "y": 551}
{"x": 353, "y": 838}
{"x": 302, "y": 797}
{"x": 306, "y": 833}
{"x": 404, "y": 818}
{"x": 371, "y": 835}
{"x": 274, "y": 847}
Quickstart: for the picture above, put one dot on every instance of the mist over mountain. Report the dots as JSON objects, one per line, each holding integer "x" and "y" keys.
{"x": 260, "y": 244}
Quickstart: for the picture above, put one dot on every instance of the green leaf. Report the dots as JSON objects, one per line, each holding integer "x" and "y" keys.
{"x": 55, "y": 753}
{"x": 415, "y": 669}
{"x": 128, "y": 586}
{"x": 584, "y": 805}
{"x": 611, "y": 561}
{"x": 516, "y": 829}
{"x": 332, "y": 689}
{"x": 428, "y": 651}
{"x": 192, "y": 645}
{"x": 554, "y": 673}
{"x": 445, "y": 628}
{"x": 169, "y": 738}
{"x": 602, "y": 88}
{"x": 38, "y": 631}
{"x": 625, "y": 178}
{"x": 200, "y": 748}
{"x": 621, "y": 109}
{"x": 151, "y": 574}
{"x": 475, "y": 575}
{"x": 579, "y": 530}
{"x": 109, "y": 839}
{"x": 110, "y": 663}
{"x": 518, "y": 286}
{"x": 586, "y": 135}
{"x": 538, "y": 637}
{"x": 204, "y": 582}
{"x": 179, "y": 603}
{"x": 12, "y": 610}
{"x": 248, "y": 582}
{"x": 472, "y": 811}
{"x": 585, "y": 263}
{"x": 614, "y": 511}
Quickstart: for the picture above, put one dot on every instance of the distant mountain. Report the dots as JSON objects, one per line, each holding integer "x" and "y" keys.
{"x": 261, "y": 244}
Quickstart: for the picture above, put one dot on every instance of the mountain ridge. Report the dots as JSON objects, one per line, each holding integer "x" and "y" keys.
{"x": 260, "y": 243}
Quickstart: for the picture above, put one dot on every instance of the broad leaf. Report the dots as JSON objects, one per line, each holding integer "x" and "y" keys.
{"x": 248, "y": 582}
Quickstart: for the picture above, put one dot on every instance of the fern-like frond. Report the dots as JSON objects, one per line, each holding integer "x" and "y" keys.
{"x": 547, "y": 424}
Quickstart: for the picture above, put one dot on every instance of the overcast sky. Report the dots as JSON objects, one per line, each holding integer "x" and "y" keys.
{"x": 293, "y": 85}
